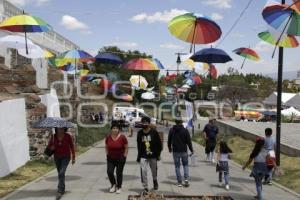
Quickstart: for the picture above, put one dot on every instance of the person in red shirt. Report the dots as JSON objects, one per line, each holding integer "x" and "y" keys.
{"x": 63, "y": 146}
{"x": 116, "y": 146}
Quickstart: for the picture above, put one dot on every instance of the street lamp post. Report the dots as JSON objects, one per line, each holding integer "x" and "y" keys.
{"x": 279, "y": 100}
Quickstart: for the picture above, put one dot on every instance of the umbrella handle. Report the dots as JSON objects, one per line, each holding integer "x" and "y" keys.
{"x": 243, "y": 63}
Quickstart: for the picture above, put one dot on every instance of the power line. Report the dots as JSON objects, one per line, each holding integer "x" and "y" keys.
{"x": 236, "y": 22}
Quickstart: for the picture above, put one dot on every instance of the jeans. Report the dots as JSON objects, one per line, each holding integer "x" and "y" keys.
{"x": 226, "y": 177}
{"x": 152, "y": 162}
{"x": 61, "y": 166}
{"x": 269, "y": 174}
{"x": 119, "y": 165}
{"x": 258, "y": 183}
{"x": 184, "y": 159}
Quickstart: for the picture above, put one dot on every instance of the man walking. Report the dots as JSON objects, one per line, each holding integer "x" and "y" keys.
{"x": 210, "y": 134}
{"x": 149, "y": 148}
{"x": 178, "y": 141}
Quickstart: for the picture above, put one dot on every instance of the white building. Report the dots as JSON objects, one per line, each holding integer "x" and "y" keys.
{"x": 51, "y": 40}
{"x": 288, "y": 100}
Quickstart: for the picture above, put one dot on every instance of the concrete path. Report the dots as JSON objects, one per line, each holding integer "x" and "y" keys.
{"x": 87, "y": 180}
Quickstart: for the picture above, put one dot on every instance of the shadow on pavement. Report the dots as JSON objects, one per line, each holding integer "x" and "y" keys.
{"x": 34, "y": 194}
{"x": 68, "y": 178}
{"x": 241, "y": 180}
{"x": 192, "y": 179}
{"x": 232, "y": 187}
{"x": 130, "y": 177}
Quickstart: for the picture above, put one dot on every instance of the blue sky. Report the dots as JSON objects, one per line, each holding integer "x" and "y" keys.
{"x": 142, "y": 25}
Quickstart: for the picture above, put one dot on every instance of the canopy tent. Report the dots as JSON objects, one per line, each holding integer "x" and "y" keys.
{"x": 290, "y": 112}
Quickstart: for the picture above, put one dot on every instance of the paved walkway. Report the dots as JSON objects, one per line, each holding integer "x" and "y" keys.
{"x": 87, "y": 180}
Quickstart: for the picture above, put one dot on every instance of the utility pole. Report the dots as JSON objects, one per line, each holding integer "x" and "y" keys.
{"x": 178, "y": 61}
{"x": 279, "y": 102}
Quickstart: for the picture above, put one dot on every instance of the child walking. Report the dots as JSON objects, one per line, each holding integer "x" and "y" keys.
{"x": 222, "y": 165}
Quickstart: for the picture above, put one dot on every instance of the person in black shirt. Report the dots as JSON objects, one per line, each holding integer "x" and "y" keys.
{"x": 149, "y": 148}
{"x": 178, "y": 141}
{"x": 210, "y": 134}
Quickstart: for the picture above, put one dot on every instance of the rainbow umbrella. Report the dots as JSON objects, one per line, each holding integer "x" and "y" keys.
{"x": 25, "y": 24}
{"x": 287, "y": 41}
{"x": 158, "y": 63}
{"x": 296, "y": 5}
{"x": 283, "y": 18}
{"x": 108, "y": 58}
{"x": 247, "y": 53}
{"x": 141, "y": 64}
{"x": 194, "y": 29}
{"x": 75, "y": 55}
{"x": 194, "y": 80}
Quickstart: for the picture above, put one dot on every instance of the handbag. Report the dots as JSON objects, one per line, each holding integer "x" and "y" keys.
{"x": 48, "y": 152}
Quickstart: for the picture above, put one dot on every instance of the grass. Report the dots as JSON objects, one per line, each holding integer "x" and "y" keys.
{"x": 242, "y": 149}
{"x": 36, "y": 168}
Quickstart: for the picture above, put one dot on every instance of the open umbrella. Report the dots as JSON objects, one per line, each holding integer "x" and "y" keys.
{"x": 148, "y": 95}
{"x": 138, "y": 82}
{"x": 158, "y": 63}
{"x": 141, "y": 64}
{"x": 53, "y": 122}
{"x": 75, "y": 56}
{"x": 211, "y": 55}
{"x": 108, "y": 58}
{"x": 25, "y": 24}
{"x": 16, "y": 42}
{"x": 247, "y": 53}
{"x": 194, "y": 29}
{"x": 287, "y": 41}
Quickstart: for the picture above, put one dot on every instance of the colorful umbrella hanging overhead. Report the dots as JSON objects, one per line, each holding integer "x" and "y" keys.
{"x": 282, "y": 18}
{"x": 194, "y": 80}
{"x": 108, "y": 58}
{"x": 247, "y": 53}
{"x": 287, "y": 41}
{"x": 138, "y": 82}
{"x": 158, "y": 63}
{"x": 25, "y": 24}
{"x": 194, "y": 29}
{"x": 141, "y": 64}
{"x": 296, "y": 5}
{"x": 211, "y": 55}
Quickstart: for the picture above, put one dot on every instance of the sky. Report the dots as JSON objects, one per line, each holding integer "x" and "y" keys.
{"x": 143, "y": 25}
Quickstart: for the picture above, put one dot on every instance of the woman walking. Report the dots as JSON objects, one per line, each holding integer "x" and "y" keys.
{"x": 62, "y": 145}
{"x": 259, "y": 155}
{"x": 223, "y": 167}
{"x": 116, "y": 146}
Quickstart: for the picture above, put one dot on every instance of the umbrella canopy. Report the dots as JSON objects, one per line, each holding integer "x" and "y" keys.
{"x": 53, "y": 122}
{"x": 194, "y": 80}
{"x": 170, "y": 77}
{"x": 75, "y": 54}
{"x": 188, "y": 74}
{"x": 138, "y": 82}
{"x": 211, "y": 55}
{"x": 25, "y": 23}
{"x": 37, "y": 52}
{"x": 108, "y": 58}
{"x": 247, "y": 53}
{"x": 158, "y": 63}
{"x": 282, "y": 18}
{"x": 141, "y": 64}
{"x": 290, "y": 112}
{"x": 287, "y": 41}
{"x": 194, "y": 29}
{"x": 269, "y": 113}
{"x": 126, "y": 97}
{"x": 15, "y": 42}
{"x": 186, "y": 86}
{"x": 148, "y": 96}
{"x": 296, "y": 5}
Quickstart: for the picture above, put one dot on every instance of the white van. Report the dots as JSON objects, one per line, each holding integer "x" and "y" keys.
{"x": 131, "y": 115}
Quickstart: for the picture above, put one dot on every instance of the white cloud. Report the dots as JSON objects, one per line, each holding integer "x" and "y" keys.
{"x": 163, "y": 17}
{"x": 263, "y": 47}
{"x": 171, "y": 46}
{"x": 124, "y": 44}
{"x": 71, "y": 23}
{"x": 216, "y": 16}
{"x": 224, "y": 4}
{"x": 22, "y": 3}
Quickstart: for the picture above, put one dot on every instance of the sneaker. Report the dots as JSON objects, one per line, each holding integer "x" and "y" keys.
{"x": 112, "y": 189}
{"x": 59, "y": 195}
{"x": 220, "y": 184}
{"x": 155, "y": 185}
{"x": 227, "y": 187}
{"x": 118, "y": 191}
{"x": 186, "y": 183}
{"x": 213, "y": 161}
{"x": 179, "y": 184}
{"x": 270, "y": 183}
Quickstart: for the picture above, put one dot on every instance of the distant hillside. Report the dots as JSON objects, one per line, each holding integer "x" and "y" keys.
{"x": 291, "y": 75}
